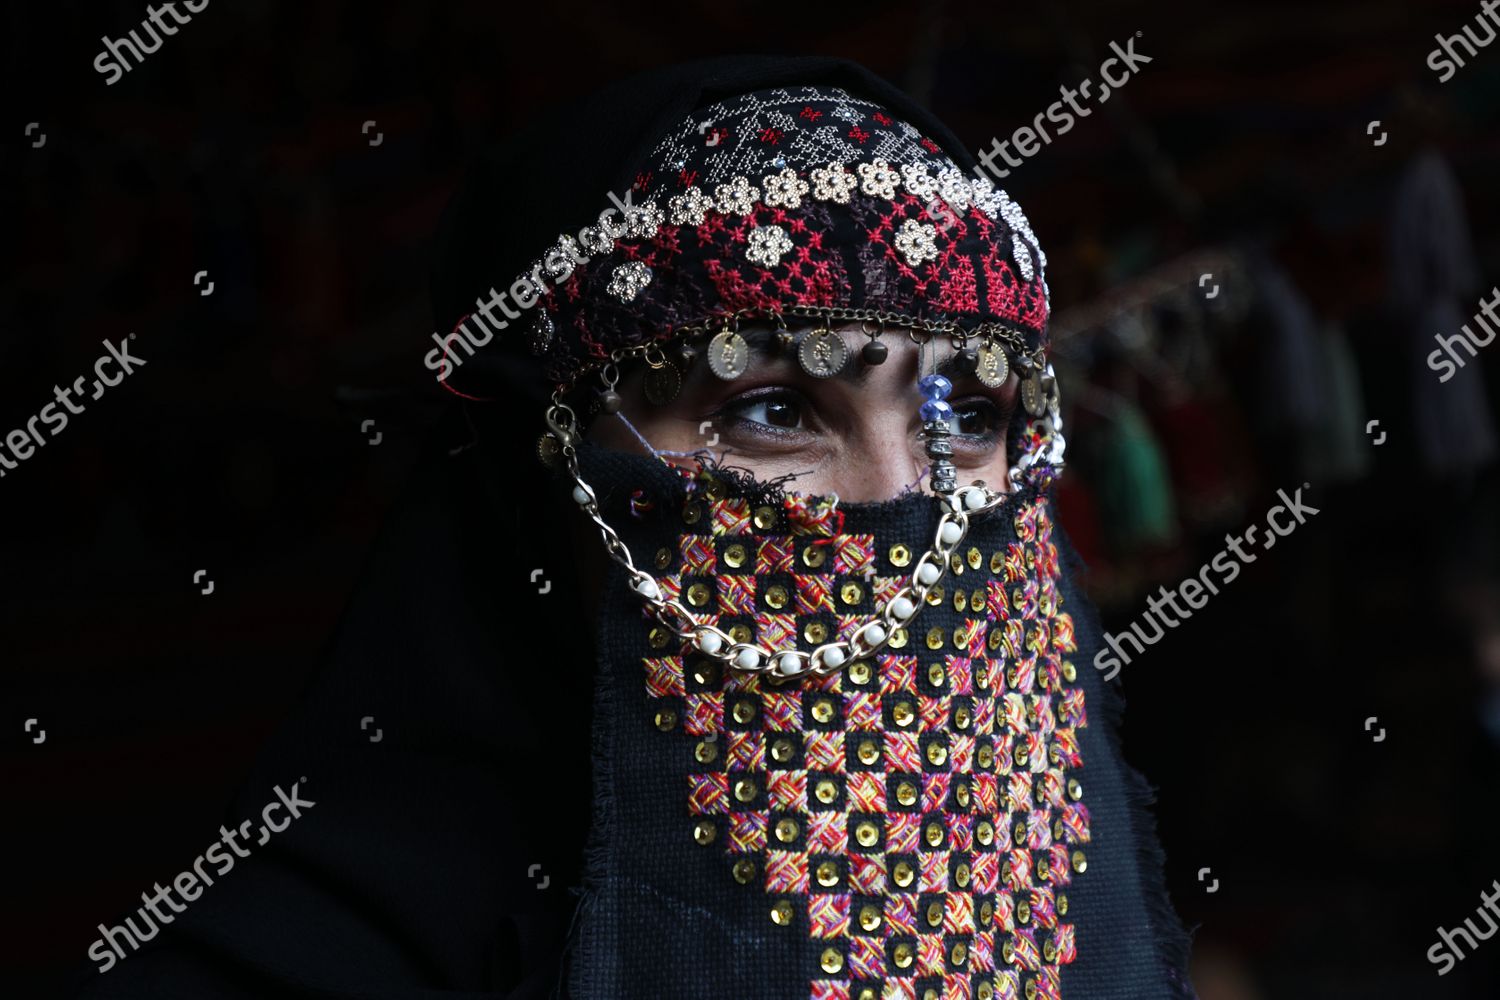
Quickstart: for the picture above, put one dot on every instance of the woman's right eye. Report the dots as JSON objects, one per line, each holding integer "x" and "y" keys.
{"x": 777, "y": 410}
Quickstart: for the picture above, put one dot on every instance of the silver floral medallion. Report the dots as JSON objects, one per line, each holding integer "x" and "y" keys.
{"x": 643, "y": 221}
{"x": 953, "y": 185}
{"x": 917, "y": 242}
{"x": 917, "y": 181}
{"x": 737, "y": 197}
{"x": 689, "y": 208}
{"x": 628, "y": 279}
{"x": 784, "y": 190}
{"x": 768, "y": 244}
{"x": 833, "y": 183}
{"x": 878, "y": 179}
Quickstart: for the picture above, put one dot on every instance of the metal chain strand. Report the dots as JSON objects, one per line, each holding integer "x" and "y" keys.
{"x": 713, "y": 642}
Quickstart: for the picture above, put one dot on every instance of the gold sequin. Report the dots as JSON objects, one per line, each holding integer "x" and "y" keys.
{"x": 697, "y": 594}
{"x": 1008, "y": 952}
{"x": 692, "y": 513}
{"x": 906, "y": 793}
{"x": 815, "y": 632}
{"x": 935, "y": 914}
{"x": 828, "y": 874}
{"x": 734, "y": 556}
{"x": 976, "y": 601}
{"x": 903, "y": 955}
{"x": 1069, "y": 672}
{"x": 937, "y": 753}
{"x": 776, "y": 597}
{"x": 902, "y": 713}
{"x": 961, "y": 794}
{"x": 781, "y": 913}
{"x": 900, "y": 555}
{"x": 956, "y": 563}
{"x": 868, "y": 752}
{"x": 706, "y": 752}
{"x": 743, "y": 711}
{"x": 764, "y": 518}
{"x": 975, "y": 557}
{"x": 937, "y": 674}
{"x": 1062, "y": 904}
{"x": 704, "y": 831}
{"x": 665, "y": 719}
{"x": 933, "y": 833}
{"x": 832, "y": 960}
{"x": 984, "y": 833}
{"x": 851, "y": 593}
{"x": 960, "y": 636}
{"x": 981, "y": 677}
{"x": 814, "y": 555}
{"x": 869, "y": 917}
{"x": 897, "y": 639}
{"x": 997, "y": 636}
{"x": 659, "y": 637}
{"x": 986, "y": 912}
{"x": 786, "y": 830}
{"x": 984, "y": 991}
{"x": 960, "y": 599}
{"x": 1080, "y": 862}
{"x": 986, "y": 756}
{"x": 1075, "y": 790}
{"x": 1049, "y": 950}
{"x": 997, "y": 561}
{"x": 935, "y": 595}
{"x": 663, "y": 558}
{"x": 705, "y": 672}
{"x": 959, "y": 953}
{"x": 1023, "y": 911}
{"x": 903, "y": 873}
{"x": 745, "y": 789}
{"x": 744, "y": 871}
{"x": 826, "y": 791}
{"x": 1031, "y": 989}
{"x": 713, "y": 489}
{"x": 822, "y": 710}
{"x": 739, "y": 633}
{"x": 859, "y": 673}
{"x": 782, "y": 751}
{"x": 866, "y": 834}
{"x": 961, "y": 876}
{"x": 961, "y": 717}
{"x": 935, "y": 638}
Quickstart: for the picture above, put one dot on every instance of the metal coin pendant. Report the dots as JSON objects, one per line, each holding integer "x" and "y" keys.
{"x": 822, "y": 353}
{"x": 1032, "y": 396}
{"x": 993, "y": 369}
{"x": 663, "y": 384}
{"x": 728, "y": 355}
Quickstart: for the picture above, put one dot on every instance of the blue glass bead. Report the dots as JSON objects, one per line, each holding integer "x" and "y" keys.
{"x": 935, "y": 409}
{"x": 934, "y": 386}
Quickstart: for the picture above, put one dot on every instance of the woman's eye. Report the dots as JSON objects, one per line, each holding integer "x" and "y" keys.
{"x": 774, "y": 411}
{"x": 975, "y": 417}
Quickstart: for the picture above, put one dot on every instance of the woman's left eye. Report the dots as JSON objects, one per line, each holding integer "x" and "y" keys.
{"x": 975, "y": 417}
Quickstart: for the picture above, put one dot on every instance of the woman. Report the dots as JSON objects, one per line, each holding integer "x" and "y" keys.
{"x": 792, "y": 688}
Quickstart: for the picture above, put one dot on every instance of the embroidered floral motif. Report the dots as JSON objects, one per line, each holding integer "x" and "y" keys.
{"x": 878, "y": 179}
{"x": 833, "y": 183}
{"x": 643, "y": 220}
{"x": 917, "y": 242}
{"x": 690, "y": 207}
{"x": 737, "y": 197}
{"x": 628, "y": 279}
{"x": 784, "y": 189}
{"x": 768, "y": 244}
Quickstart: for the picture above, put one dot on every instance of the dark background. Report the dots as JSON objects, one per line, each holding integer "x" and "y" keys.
{"x": 237, "y": 149}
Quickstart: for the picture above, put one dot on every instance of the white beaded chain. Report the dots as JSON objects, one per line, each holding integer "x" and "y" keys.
{"x": 713, "y": 642}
